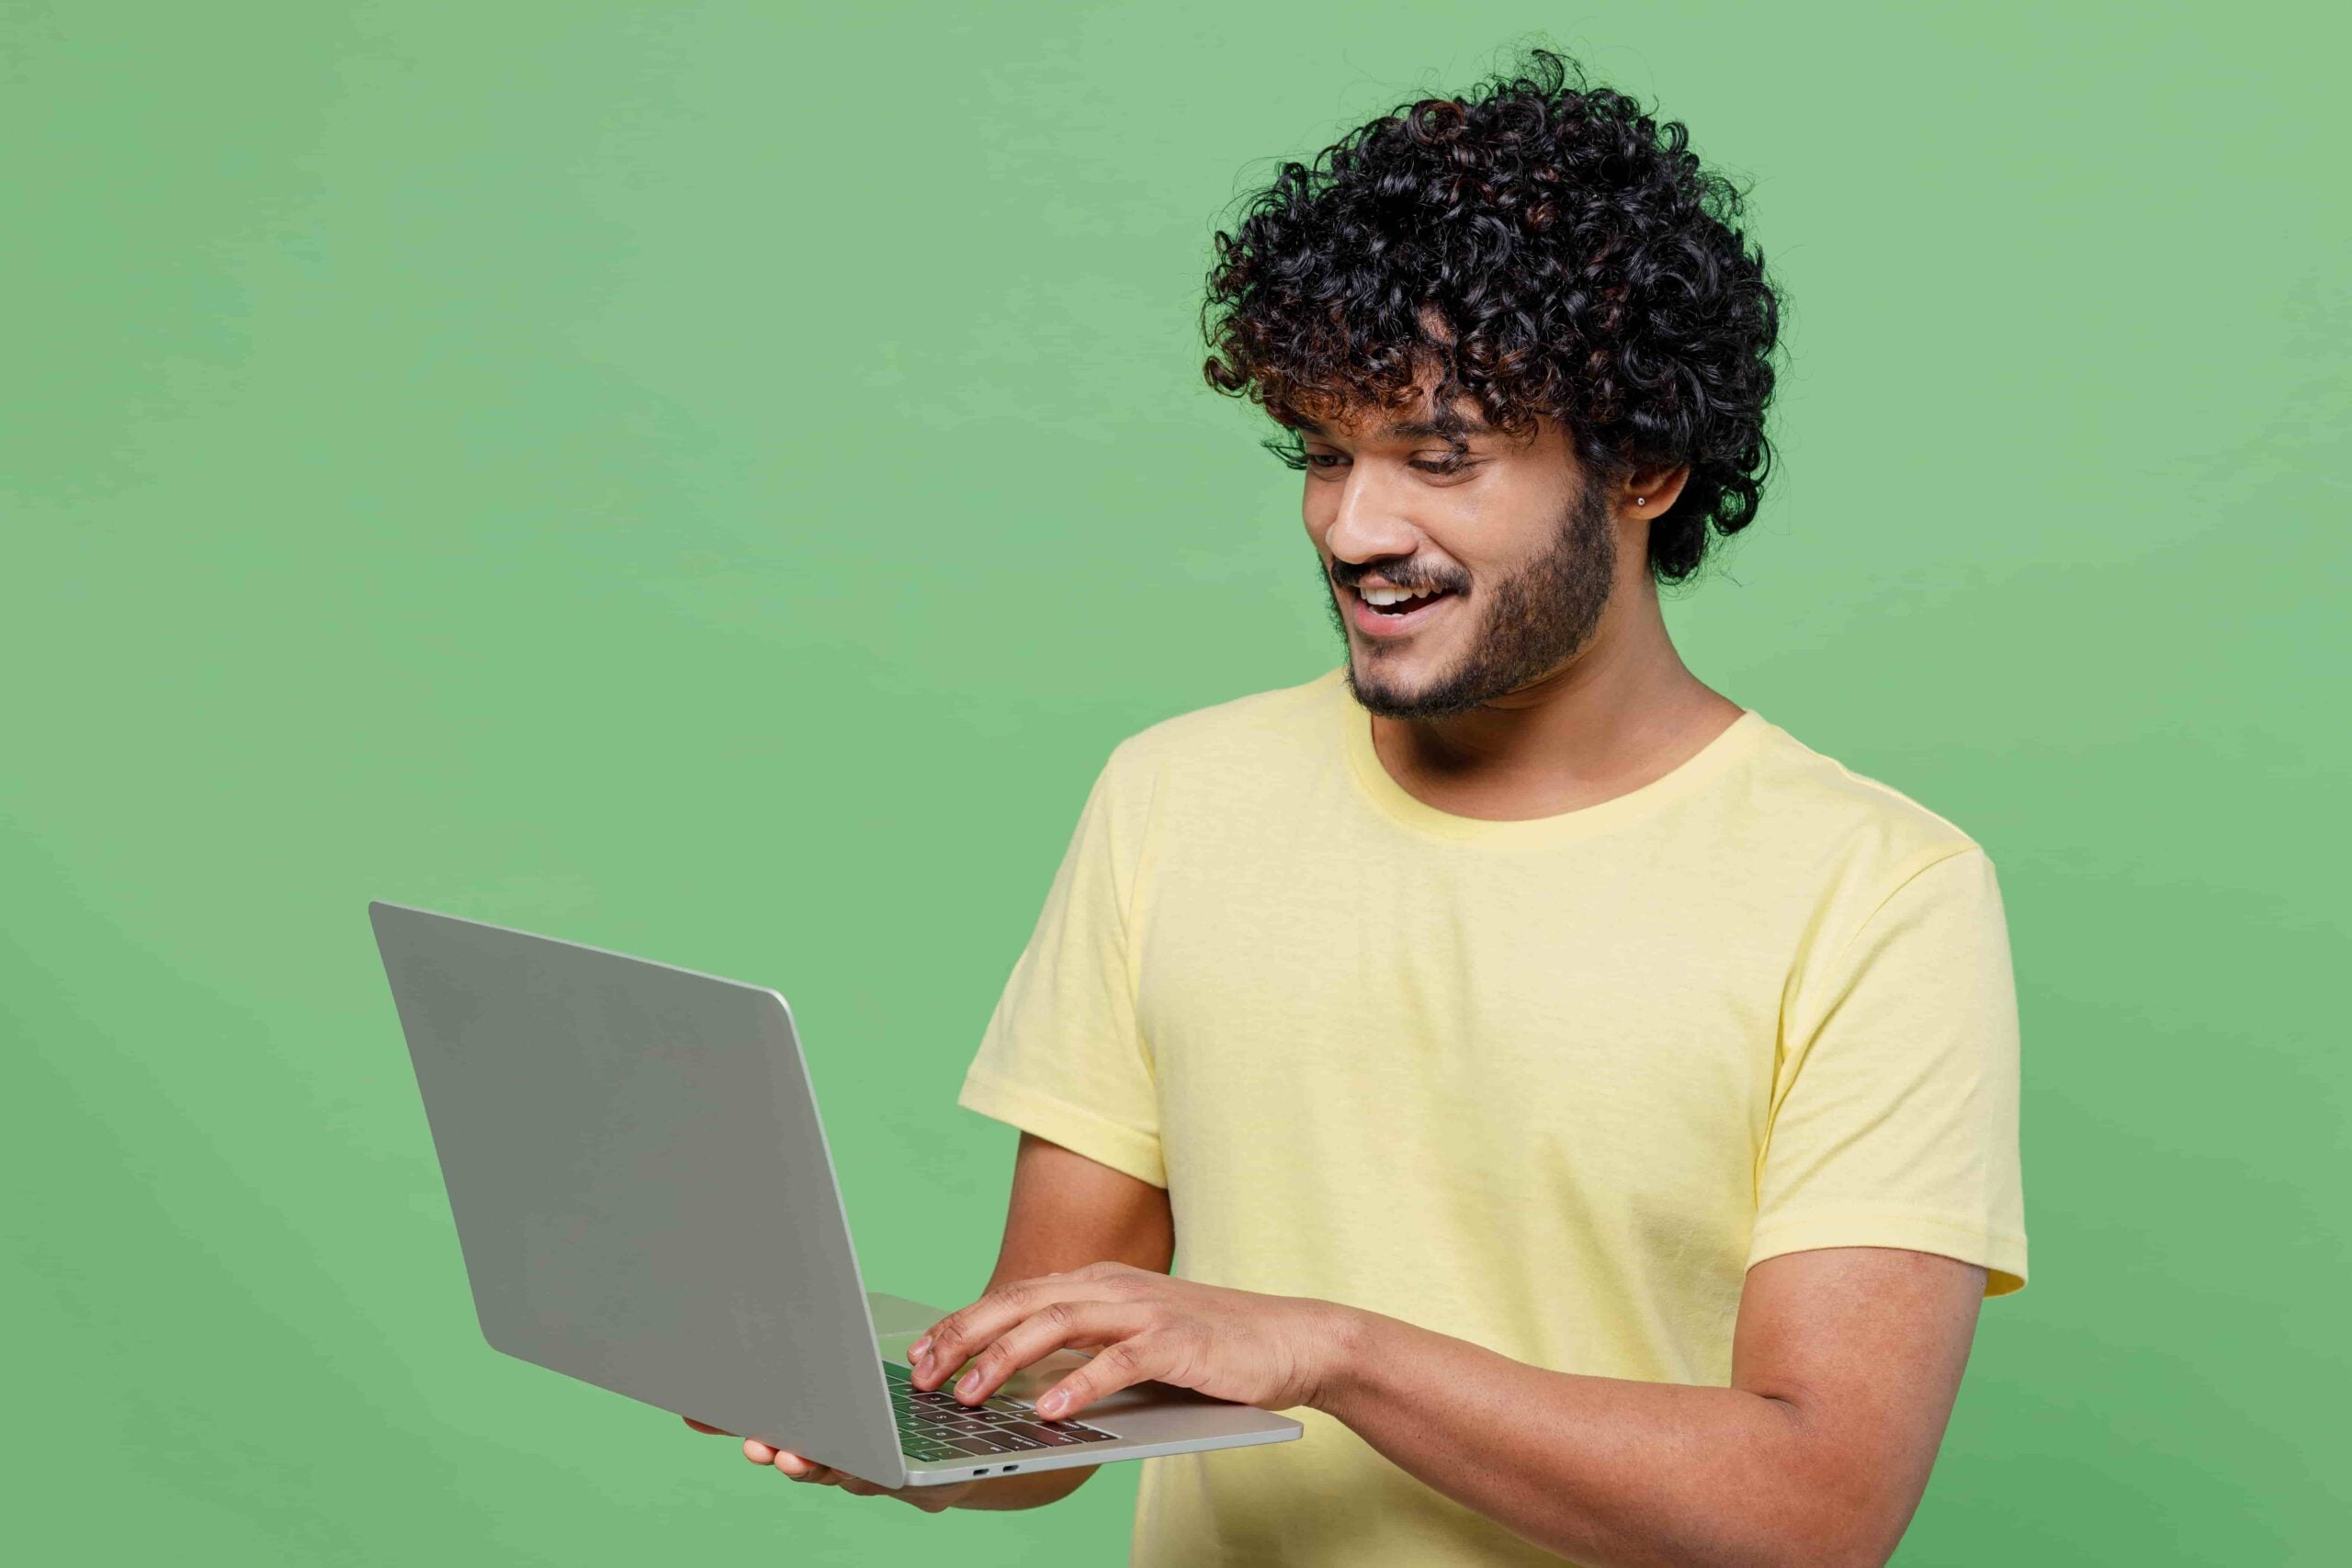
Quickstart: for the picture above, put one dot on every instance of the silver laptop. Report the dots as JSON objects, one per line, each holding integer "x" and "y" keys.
{"x": 645, "y": 1202}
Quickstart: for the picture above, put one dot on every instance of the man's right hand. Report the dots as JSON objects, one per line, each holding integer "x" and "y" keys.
{"x": 930, "y": 1499}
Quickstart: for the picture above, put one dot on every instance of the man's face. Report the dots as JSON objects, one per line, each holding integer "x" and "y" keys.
{"x": 1523, "y": 552}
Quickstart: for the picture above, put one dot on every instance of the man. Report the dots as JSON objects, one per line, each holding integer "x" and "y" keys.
{"x": 1591, "y": 1110}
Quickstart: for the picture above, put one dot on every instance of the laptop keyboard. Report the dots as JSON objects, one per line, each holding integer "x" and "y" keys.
{"x": 932, "y": 1427}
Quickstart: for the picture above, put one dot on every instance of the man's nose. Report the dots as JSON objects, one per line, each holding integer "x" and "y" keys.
{"x": 1370, "y": 523}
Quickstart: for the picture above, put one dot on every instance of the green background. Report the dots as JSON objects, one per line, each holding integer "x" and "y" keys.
{"x": 713, "y": 480}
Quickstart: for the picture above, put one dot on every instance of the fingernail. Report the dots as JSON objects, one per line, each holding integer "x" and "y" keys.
{"x": 971, "y": 1381}
{"x": 919, "y": 1349}
{"x": 1052, "y": 1404}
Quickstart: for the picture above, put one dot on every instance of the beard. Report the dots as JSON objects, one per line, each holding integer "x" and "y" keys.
{"x": 1537, "y": 619}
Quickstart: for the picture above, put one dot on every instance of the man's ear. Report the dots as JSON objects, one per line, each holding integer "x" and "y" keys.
{"x": 1647, "y": 492}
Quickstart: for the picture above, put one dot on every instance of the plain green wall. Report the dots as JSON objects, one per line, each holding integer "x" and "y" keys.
{"x": 713, "y": 480}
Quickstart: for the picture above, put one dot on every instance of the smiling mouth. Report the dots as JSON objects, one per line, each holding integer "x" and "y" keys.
{"x": 1402, "y": 617}
{"x": 1399, "y": 605}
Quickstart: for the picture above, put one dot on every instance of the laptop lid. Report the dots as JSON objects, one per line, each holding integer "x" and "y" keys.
{"x": 643, "y": 1190}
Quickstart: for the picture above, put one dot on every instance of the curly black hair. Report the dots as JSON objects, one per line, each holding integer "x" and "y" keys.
{"x": 1552, "y": 250}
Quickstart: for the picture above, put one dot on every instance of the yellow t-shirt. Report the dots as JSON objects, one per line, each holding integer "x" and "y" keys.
{"x": 1550, "y": 1085}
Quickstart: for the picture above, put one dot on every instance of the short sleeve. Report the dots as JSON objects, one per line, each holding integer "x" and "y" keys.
{"x": 1062, "y": 1055}
{"x": 1894, "y": 1108}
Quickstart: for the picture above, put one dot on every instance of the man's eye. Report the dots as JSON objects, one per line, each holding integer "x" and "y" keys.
{"x": 1439, "y": 466}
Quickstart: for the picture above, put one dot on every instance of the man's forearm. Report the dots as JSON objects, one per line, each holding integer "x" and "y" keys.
{"x": 1609, "y": 1472}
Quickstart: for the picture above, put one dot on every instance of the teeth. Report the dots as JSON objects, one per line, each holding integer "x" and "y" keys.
{"x": 1393, "y": 595}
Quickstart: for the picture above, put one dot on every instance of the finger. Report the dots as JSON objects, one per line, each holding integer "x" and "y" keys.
{"x": 803, "y": 1470}
{"x": 1128, "y": 1362}
{"x": 954, "y": 1337}
{"x": 706, "y": 1427}
{"x": 950, "y": 1341}
{"x": 1056, "y": 1325}
{"x": 758, "y": 1452}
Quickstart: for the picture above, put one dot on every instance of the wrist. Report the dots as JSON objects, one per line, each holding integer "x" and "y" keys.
{"x": 1351, "y": 1339}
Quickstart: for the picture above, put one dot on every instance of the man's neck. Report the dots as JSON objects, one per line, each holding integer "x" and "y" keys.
{"x": 1622, "y": 714}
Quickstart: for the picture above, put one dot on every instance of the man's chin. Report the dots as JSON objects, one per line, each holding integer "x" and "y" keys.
{"x": 1401, "y": 689}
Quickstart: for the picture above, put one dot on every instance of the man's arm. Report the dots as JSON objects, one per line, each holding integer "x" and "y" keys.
{"x": 1845, "y": 1365}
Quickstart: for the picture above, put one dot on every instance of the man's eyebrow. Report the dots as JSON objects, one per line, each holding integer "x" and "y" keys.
{"x": 1414, "y": 429}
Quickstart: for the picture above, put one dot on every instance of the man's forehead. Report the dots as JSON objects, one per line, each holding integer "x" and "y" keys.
{"x": 1416, "y": 423}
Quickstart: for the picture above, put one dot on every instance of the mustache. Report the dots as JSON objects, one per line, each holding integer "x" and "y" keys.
{"x": 1410, "y": 584}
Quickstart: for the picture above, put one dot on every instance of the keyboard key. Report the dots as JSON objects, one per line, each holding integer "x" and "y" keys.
{"x": 981, "y": 1446}
{"x": 1044, "y": 1435}
{"x": 1011, "y": 1439}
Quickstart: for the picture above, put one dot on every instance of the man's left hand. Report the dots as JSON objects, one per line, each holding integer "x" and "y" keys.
{"x": 1270, "y": 1351}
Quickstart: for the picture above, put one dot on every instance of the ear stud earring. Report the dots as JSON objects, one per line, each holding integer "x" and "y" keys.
{"x": 1641, "y": 501}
